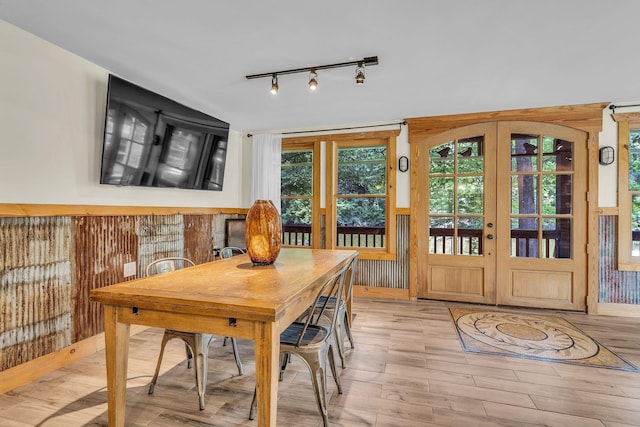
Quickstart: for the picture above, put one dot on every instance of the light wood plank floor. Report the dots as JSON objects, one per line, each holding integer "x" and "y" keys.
{"x": 408, "y": 369}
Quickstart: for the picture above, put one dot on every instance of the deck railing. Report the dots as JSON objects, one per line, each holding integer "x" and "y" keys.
{"x": 361, "y": 237}
{"x": 524, "y": 243}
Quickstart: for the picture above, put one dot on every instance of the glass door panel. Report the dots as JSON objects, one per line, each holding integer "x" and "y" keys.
{"x": 541, "y": 196}
{"x": 456, "y": 196}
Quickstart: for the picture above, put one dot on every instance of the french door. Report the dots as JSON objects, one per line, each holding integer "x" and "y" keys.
{"x": 502, "y": 215}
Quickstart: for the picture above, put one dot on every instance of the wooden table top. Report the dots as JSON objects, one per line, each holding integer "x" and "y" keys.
{"x": 231, "y": 287}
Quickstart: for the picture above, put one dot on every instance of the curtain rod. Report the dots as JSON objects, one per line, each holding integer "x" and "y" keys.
{"x": 347, "y": 128}
{"x": 613, "y": 107}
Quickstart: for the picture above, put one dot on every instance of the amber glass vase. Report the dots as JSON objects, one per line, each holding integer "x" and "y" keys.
{"x": 263, "y": 232}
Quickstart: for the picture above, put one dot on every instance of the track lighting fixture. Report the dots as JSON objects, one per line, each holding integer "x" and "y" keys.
{"x": 313, "y": 72}
{"x": 313, "y": 80}
{"x": 360, "y": 73}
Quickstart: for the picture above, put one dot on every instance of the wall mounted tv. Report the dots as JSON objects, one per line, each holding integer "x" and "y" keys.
{"x": 152, "y": 141}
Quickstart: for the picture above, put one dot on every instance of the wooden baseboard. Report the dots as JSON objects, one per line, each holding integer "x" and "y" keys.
{"x": 385, "y": 293}
{"x": 34, "y": 369}
{"x": 623, "y": 310}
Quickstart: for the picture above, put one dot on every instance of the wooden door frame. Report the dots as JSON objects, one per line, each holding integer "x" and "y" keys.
{"x": 585, "y": 117}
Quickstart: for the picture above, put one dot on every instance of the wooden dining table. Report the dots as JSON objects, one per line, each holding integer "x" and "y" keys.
{"x": 230, "y": 297}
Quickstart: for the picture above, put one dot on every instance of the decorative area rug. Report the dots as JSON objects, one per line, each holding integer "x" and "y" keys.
{"x": 547, "y": 338}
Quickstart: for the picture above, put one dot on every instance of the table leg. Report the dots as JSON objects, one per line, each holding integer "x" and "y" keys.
{"x": 116, "y": 337}
{"x": 267, "y": 350}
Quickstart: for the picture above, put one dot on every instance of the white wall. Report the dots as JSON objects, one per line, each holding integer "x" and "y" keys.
{"x": 52, "y": 106}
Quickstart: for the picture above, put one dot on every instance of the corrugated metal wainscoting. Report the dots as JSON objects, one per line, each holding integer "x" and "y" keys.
{"x": 615, "y": 286}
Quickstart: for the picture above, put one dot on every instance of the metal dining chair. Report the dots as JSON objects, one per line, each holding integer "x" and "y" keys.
{"x": 343, "y": 327}
{"x": 229, "y": 251}
{"x": 312, "y": 342}
{"x": 196, "y": 344}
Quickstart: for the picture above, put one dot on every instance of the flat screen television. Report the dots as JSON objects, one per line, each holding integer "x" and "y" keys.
{"x": 152, "y": 141}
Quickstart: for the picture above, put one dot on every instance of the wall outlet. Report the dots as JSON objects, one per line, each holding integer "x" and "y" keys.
{"x": 130, "y": 269}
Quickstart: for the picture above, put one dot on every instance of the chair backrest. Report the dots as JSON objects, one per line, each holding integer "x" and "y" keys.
{"x": 234, "y": 232}
{"x": 350, "y": 277}
{"x": 229, "y": 251}
{"x": 332, "y": 288}
{"x": 164, "y": 265}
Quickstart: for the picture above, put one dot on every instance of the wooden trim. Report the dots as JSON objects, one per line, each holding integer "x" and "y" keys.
{"x": 342, "y": 136}
{"x": 403, "y": 211}
{"x": 592, "y": 266}
{"x": 34, "y": 369}
{"x": 608, "y": 211}
{"x": 28, "y": 210}
{"x": 629, "y": 117}
{"x": 381, "y": 293}
{"x": 623, "y": 310}
{"x": 587, "y": 117}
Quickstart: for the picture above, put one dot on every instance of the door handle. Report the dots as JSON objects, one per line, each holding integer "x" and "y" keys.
{"x": 490, "y": 236}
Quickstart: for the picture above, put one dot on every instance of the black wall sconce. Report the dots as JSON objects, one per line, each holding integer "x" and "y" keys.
{"x": 403, "y": 164}
{"x": 606, "y": 155}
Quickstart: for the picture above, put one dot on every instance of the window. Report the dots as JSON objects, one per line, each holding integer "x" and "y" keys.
{"x": 300, "y": 189}
{"x": 628, "y": 191}
{"x": 361, "y": 193}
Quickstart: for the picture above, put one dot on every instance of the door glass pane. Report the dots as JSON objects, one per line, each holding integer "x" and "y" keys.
{"x": 470, "y": 194}
{"x": 524, "y": 237}
{"x": 471, "y": 155}
{"x": 441, "y": 235}
{"x": 556, "y": 238}
{"x": 470, "y": 236}
{"x": 524, "y": 194}
{"x": 441, "y": 195}
{"x": 441, "y": 159}
{"x": 524, "y": 153}
{"x": 557, "y": 154}
{"x": 556, "y": 194}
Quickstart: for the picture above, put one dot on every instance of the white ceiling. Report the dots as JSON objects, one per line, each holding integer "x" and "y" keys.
{"x": 436, "y": 56}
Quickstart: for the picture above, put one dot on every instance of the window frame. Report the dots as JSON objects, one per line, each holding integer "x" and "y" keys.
{"x": 314, "y": 146}
{"x": 626, "y": 261}
{"x": 364, "y": 139}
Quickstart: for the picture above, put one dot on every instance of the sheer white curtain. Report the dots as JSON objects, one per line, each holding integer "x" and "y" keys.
{"x": 266, "y": 168}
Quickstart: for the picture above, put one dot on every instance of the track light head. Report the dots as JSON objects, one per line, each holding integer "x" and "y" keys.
{"x": 313, "y": 79}
{"x": 274, "y": 84}
{"x": 360, "y": 73}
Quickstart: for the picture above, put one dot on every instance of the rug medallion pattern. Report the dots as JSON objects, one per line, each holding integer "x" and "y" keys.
{"x": 547, "y": 338}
